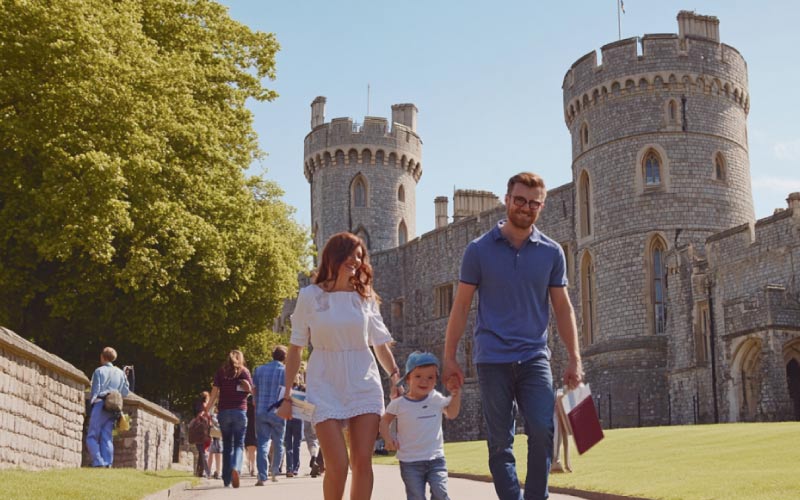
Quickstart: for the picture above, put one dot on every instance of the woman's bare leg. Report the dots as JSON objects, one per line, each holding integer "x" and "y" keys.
{"x": 363, "y": 432}
{"x": 331, "y": 441}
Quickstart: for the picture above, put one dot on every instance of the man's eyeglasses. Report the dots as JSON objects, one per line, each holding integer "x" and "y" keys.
{"x": 521, "y": 201}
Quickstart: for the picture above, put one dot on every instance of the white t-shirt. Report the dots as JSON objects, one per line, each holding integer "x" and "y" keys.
{"x": 419, "y": 426}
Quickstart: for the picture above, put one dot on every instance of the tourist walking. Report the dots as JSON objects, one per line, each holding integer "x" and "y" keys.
{"x": 232, "y": 384}
{"x": 202, "y": 468}
{"x": 105, "y": 379}
{"x": 294, "y": 436}
{"x": 515, "y": 269}
{"x": 339, "y": 314}
{"x": 250, "y": 440}
{"x": 269, "y": 380}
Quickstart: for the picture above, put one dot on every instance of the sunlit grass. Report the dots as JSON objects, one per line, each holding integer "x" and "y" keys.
{"x": 87, "y": 483}
{"x": 700, "y": 462}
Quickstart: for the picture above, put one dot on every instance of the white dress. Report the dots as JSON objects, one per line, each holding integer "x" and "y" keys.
{"x": 342, "y": 377}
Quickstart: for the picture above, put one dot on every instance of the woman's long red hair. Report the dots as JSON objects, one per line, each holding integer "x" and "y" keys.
{"x": 339, "y": 247}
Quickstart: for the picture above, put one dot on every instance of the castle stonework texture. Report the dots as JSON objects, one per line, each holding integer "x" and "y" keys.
{"x": 688, "y": 308}
{"x": 363, "y": 176}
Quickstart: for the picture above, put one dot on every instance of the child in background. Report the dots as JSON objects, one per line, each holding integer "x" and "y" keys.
{"x": 419, "y": 442}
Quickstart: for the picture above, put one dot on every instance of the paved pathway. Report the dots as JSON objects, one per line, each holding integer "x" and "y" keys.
{"x": 388, "y": 486}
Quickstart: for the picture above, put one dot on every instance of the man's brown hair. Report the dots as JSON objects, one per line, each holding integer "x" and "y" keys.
{"x": 527, "y": 178}
{"x": 279, "y": 353}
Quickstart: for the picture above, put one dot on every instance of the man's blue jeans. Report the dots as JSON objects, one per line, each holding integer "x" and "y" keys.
{"x": 292, "y": 440}
{"x": 233, "y": 424}
{"x": 99, "y": 437}
{"x": 530, "y": 385}
{"x": 269, "y": 428}
{"x": 416, "y": 474}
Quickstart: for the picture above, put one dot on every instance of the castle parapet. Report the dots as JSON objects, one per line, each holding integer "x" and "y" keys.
{"x": 343, "y": 141}
{"x": 691, "y": 61}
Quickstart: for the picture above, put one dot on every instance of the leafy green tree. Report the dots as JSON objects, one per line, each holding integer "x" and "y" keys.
{"x": 126, "y": 215}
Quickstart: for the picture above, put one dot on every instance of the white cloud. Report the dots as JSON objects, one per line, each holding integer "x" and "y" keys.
{"x": 789, "y": 150}
{"x": 777, "y": 184}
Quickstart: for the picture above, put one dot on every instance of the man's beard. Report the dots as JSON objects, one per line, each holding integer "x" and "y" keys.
{"x": 522, "y": 221}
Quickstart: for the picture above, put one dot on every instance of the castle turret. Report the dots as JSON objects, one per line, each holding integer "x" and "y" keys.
{"x": 363, "y": 176}
{"x": 405, "y": 114}
{"x": 317, "y": 112}
{"x": 660, "y": 162}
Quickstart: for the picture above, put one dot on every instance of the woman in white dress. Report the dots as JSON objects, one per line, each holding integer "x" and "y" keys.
{"x": 339, "y": 315}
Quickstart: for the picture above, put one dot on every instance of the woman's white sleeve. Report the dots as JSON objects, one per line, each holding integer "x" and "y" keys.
{"x": 378, "y": 333}
{"x": 301, "y": 318}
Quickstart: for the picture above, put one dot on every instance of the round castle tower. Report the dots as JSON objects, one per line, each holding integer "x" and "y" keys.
{"x": 363, "y": 176}
{"x": 660, "y": 160}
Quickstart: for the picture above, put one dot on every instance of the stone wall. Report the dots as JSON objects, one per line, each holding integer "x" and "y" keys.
{"x": 41, "y": 407}
{"x": 756, "y": 290}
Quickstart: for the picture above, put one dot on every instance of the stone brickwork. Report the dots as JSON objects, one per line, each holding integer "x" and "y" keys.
{"x": 149, "y": 443}
{"x": 727, "y": 347}
{"x": 387, "y": 159}
{"x": 41, "y": 407}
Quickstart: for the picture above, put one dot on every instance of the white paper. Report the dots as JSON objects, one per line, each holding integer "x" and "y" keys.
{"x": 575, "y": 396}
{"x": 301, "y": 408}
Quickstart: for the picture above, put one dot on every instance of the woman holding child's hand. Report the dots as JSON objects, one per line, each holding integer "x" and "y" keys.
{"x": 339, "y": 315}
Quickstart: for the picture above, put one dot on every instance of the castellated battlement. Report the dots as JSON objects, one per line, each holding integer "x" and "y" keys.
{"x": 693, "y": 61}
{"x": 374, "y": 142}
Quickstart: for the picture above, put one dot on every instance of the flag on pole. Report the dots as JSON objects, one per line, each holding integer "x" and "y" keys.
{"x": 622, "y": 5}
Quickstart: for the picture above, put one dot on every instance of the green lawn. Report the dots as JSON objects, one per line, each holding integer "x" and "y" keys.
{"x": 86, "y": 483}
{"x": 699, "y": 462}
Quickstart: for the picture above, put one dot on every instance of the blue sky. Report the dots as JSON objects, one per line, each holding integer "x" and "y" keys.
{"x": 486, "y": 78}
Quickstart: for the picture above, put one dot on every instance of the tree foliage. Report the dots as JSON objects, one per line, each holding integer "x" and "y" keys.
{"x": 126, "y": 215}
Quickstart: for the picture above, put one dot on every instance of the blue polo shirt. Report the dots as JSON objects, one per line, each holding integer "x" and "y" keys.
{"x": 513, "y": 305}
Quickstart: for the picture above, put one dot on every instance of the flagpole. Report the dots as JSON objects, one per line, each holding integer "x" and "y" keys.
{"x": 368, "y": 99}
{"x": 619, "y": 23}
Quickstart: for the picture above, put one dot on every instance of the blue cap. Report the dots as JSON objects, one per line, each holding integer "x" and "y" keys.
{"x": 417, "y": 359}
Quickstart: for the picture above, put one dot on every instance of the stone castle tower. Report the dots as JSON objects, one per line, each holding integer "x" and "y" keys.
{"x": 363, "y": 176}
{"x": 660, "y": 161}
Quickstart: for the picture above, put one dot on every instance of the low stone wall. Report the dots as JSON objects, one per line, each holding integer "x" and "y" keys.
{"x": 149, "y": 443}
{"x": 41, "y": 407}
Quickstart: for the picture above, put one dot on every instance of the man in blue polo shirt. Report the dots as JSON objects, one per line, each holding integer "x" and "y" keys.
{"x": 515, "y": 269}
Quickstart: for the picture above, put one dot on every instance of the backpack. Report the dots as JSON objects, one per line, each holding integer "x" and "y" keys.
{"x": 198, "y": 430}
{"x": 113, "y": 401}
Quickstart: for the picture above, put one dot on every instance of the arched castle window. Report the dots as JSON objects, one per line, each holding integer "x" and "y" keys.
{"x": 658, "y": 285}
{"x": 392, "y": 160}
{"x": 326, "y": 159}
{"x": 672, "y": 112}
{"x": 379, "y": 157}
{"x": 719, "y": 167}
{"x": 588, "y": 300}
{"x": 401, "y": 193}
{"x": 585, "y": 201}
{"x": 651, "y": 168}
{"x": 352, "y": 157}
{"x": 584, "y": 136}
{"x": 359, "y": 191}
{"x": 339, "y": 157}
{"x": 366, "y": 156}
{"x": 402, "y": 233}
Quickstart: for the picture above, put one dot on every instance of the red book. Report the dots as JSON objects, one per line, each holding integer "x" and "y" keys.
{"x": 582, "y": 416}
